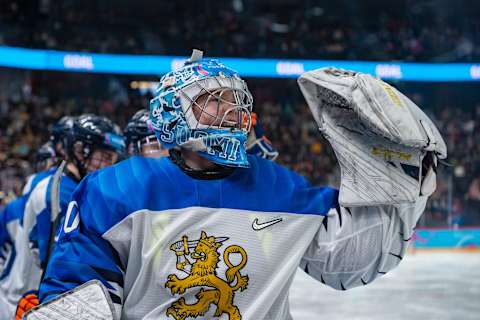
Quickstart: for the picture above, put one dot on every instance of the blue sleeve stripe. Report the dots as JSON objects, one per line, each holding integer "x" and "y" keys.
{"x": 41, "y": 234}
{"x": 4, "y": 237}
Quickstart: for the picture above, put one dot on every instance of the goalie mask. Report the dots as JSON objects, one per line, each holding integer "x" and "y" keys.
{"x": 204, "y": 106}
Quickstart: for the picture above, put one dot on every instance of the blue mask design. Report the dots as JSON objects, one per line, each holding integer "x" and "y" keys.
{"x": 179, "y": 119}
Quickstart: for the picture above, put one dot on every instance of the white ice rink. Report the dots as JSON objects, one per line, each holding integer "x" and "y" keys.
{"x": 425, "y": 286}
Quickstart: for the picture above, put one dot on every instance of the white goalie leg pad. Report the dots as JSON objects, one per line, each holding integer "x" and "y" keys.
{"x": 88, "y": 301}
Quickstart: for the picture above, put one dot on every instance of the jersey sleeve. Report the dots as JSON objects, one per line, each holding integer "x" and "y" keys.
{"x": 3, "y": 227}
{"x": 81, "y": 254}
{"x": 36, "y": 223}
{"x": 38, "y": 216}
{"x": 353, "y": 246}
{"x": 28, "y": 185}
{"x": 9, "y": 223}
{"x": 4, "y": 238}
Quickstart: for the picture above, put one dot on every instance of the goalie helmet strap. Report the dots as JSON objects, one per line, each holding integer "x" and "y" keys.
{"x": 219, "y": 172}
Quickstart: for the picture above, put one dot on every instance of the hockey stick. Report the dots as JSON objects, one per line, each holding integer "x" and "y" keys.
{"x": 55, "y": 213}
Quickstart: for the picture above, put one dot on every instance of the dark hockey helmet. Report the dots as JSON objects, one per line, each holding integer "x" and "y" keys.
{"x": 91, "y": 132}
{"x": 140, "y": 137}
{"x": 61, "y": 134}
{"x": 137, "y": 130}
{"x": 45, "y": 157}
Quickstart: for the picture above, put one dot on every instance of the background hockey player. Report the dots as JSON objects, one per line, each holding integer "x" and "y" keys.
{"x": 45, "y": 158}
{"x": 140, "y": 138}
{"x": 87, "y": 143}
{"x": 57, "y": 148}
{"x": 258, "y": 143}
{"x": 10, "y": 222}
{"x": 211, "y": 232}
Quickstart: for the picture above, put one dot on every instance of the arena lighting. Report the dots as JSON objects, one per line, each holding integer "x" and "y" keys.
{"x": 144, "y": 86}
{"x": 262, "y": 68}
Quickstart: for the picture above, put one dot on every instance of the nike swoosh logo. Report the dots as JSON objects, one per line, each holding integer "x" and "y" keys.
{"x": 259, "y": 226}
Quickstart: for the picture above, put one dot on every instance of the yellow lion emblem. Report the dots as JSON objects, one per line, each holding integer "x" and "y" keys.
{"x": 199, "y": 259}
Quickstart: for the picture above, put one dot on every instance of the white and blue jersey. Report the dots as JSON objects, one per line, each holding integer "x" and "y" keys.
{"x": 9, "y": 224}
{"x": 34, "y": 179}
{"x": 32, "y": 237}
{"x": 168, "y": 246}
{"x": 11, "y": 221}
{"x": 37, "y": 218}
{"x": 13, "y": 212}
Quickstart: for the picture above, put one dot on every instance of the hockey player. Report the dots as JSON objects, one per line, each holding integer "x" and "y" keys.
{"x": 45, "y": 159}
{"x": 140, "y": 138}
{"x": 49, "y": 154}
{"x": 257, "y": 143}
{"x": 92, "y": 143}
{"x": 11, "y": 221}
{"x": 211, "y": 232}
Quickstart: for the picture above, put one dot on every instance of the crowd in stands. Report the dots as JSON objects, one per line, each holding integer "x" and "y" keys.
{"x": 26, "y": 119}
{"x": 404, "y": 30}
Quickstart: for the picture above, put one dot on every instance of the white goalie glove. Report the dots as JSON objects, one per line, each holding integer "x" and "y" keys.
{"x": 386, "y": 146}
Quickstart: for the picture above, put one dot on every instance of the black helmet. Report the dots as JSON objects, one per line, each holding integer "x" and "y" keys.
{"x": 137, "y": 132}
{"x": 61, "y": 132}
{"x": 61, "y": 127}
{"x": 45, "y": 156}
{"x": 94, "y": 132}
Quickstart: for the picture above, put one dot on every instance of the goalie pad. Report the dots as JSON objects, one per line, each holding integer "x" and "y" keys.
{"x": 88, "y": 301}
{"x": 379, "y": 136}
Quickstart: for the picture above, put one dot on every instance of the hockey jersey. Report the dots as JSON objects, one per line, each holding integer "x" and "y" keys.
{"x": 168, "y": 246}
{"x": 12, "y": 212}
{"x": 32, "y": 237}
{"x": 11, "y": 221}
{"x": 37, "y": 217}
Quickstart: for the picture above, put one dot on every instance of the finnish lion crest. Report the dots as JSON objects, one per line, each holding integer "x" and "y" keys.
{"x": 199, "y": 259}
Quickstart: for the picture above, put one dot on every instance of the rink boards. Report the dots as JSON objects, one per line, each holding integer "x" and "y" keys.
{"x": 463, "y": 239}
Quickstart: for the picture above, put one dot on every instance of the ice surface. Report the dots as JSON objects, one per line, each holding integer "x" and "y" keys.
{"x": 424, "y": 286}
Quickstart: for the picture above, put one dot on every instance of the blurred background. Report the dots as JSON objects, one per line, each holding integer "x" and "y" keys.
{"x": 387, "y": 39}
